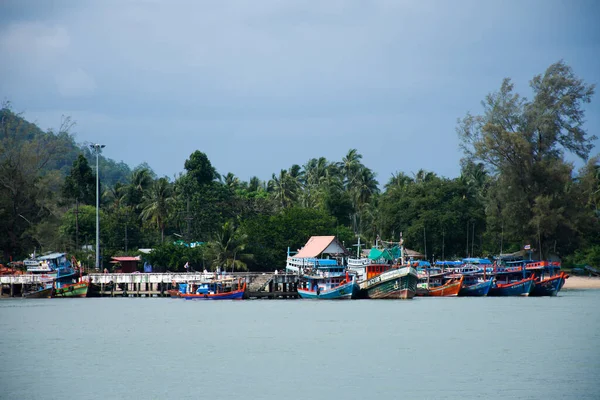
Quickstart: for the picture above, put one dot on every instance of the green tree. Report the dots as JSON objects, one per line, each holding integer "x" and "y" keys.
{"x": 284, "y": 187}
{"x": 80, "y": 187}
{"x": 522, "y": 143}
{"x": 200, "y": 169}
{"x": 228, "y": 248}
{"x": 157, "y": 204}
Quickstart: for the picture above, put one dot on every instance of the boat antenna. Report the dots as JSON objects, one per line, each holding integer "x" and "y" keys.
{"x": 358, "y": 248}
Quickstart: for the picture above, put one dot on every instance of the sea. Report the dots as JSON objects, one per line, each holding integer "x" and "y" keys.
{"x": 425, "y": 348}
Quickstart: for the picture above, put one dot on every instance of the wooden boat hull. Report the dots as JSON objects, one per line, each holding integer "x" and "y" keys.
{"x": 39, "y": 294}
{"x": 548, "y": 287}
{"x": 345, "y": 291}
{"x": 520, "y": 288}
{"x": 78, "y": 289}
{"x": 393, "y": 284}
{"x": 450, "y": 289}
{"x": 476, "y": 290}
{"x": 234, "y": 295}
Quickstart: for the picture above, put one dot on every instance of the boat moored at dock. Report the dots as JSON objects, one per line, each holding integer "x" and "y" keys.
{"x": 323, "y": 287}
{"x": 77, "y": 289}
{"x": 395, "y": 283}
{"x": 218, "y": 289}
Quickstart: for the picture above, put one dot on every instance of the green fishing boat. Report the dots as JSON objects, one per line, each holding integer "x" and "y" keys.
{"x": 78, "y": 289}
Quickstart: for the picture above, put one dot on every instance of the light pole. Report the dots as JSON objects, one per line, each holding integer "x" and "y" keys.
{"x": 96, "y": 148}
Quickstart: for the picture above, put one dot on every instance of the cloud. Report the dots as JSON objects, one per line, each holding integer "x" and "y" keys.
{"x": 75, "y": 83}
{"x": 338, "y": 73}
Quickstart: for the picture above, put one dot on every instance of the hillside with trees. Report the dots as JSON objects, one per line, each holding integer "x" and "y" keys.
{"x": 515, "y": 188}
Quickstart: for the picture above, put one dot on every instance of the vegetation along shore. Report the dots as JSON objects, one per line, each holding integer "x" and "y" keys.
{"x": 516, "y": 189}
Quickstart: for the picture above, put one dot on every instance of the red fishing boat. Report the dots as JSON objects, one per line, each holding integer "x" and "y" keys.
{"x": 221, "y": 289}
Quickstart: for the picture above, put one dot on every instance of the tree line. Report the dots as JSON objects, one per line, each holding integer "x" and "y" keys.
{"x": 515, "y": 188}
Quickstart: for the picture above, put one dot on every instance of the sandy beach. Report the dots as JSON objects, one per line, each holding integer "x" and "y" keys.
{"x": 582, "y": 282}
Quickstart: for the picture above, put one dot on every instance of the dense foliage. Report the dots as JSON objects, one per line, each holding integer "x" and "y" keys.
{"x": 515, "y": 188}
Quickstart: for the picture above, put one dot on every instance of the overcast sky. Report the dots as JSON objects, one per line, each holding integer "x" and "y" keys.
{"x": 261, "y": 85}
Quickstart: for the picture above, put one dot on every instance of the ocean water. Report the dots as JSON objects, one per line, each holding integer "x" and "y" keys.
{"x": 427, "y": 348}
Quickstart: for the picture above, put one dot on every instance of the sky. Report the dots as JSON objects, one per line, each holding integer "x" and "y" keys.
{"x": 261, "y": 85}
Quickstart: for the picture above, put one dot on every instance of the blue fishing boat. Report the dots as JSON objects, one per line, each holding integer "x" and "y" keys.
{"x": 478, "y": 277}
{"x": 328, "y": 288}
{"x": 521, "y": 287}
{"x": 51, "y": 265}
{"x": 549, "y": 279}
{"x": 475, "y": 285}
{"x": 320, "y": 265}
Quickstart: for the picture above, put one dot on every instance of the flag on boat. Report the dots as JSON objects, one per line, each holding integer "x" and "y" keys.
{"x": 527, "y": 247}
{"x": 187, "y": 265}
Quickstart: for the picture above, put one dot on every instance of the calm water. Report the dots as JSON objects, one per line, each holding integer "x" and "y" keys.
{"x": 127, "y": 348}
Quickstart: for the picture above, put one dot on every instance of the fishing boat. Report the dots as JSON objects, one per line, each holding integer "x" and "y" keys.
{"x": 548, "y": 278}
{"x": 50, "y": 265}
{"x": 512, "y": 278}
{"x": 76, "y": 289}
{"x": 217, "y": 289}
{"x": 475, "y": 285}
{"x": 377, "y": 261}
{"x": 449, "y": 286}
{"x": 519, "y": 287}
{"x": 384, "y": 273}
{"x": 395, "y": 283}
{"x": 320, "y": 266}
{"x": 328, "y": 287}
{"x": 437, "y": 282}
{"x": 478, "y": 277}
{"x": 41, "y": 292}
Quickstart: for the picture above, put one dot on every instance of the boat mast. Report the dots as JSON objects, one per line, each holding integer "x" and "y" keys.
{"x": 401, "y": 249}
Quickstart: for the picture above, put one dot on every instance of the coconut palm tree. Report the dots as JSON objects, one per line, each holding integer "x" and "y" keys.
{"x": 232, "y": 182}
{"x": 141, "y": 180}
{"x": 284, "y": 188}
{"x": 157, "y": 204}
{"x": 228, "y": 248}
{"x": 350, "y": 166}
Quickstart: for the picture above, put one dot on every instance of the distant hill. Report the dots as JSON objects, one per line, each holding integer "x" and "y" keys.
{"x": 16, "y": 131}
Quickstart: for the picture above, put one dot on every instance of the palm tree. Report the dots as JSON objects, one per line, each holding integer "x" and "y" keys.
{"x": 157, "y": 204}
{"x": 399, "y": 180}
{"x": 228, "y": 249}
{"x": 255, "y": 185}
{"x": 141, "y": 180}
{"x": 365, "y": 185}
{"x": 232, "y": 182}
{"x": 284, "y": 187}
{"x": 350, "y": 166}
{"x": 423, "y": 176}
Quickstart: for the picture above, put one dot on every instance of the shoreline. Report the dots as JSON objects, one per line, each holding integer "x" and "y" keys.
{"x": 581, "y": 282}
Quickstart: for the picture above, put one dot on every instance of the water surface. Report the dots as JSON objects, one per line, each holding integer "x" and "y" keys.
{"x": 430, "y": 348}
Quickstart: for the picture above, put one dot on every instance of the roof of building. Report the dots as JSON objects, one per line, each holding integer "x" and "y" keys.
{"x": 318, "y": 245}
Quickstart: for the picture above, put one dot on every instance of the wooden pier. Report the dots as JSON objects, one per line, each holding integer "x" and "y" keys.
{"x": 260, "y": 285}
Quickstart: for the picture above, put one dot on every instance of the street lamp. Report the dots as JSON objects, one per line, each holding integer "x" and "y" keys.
{"x": 96, "y": 148}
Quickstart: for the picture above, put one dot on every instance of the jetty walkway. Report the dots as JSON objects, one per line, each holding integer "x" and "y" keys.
{"x": 259, "y": 284}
